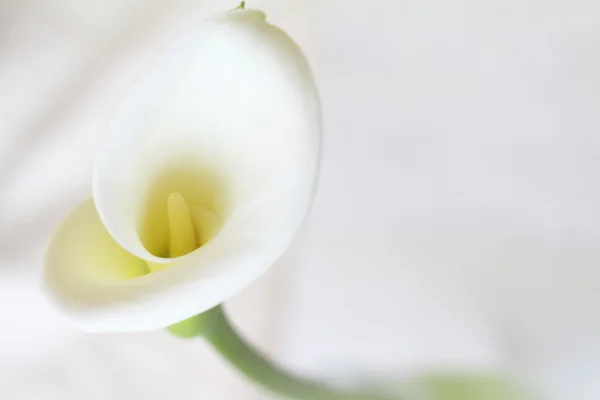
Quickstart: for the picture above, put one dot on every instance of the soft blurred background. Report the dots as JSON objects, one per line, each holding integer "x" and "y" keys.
{"x": 456, "y": 227}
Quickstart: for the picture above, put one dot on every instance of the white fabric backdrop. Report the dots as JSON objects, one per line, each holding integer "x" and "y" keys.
{"x": 456, "y": 224}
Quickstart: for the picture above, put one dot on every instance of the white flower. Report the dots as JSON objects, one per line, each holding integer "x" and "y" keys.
{"x": 202, "y": 180}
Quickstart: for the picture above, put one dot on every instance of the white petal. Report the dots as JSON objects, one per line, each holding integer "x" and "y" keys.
{"x": 228, "y": 117}
{"x": 83, "y": 251}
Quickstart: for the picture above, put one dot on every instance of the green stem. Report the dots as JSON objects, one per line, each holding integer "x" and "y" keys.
{"x": 254, "y": 366}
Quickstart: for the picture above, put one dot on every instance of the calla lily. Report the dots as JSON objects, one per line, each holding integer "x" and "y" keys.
{"x": 203, "y": 178}
{"x": 205, "y": 175}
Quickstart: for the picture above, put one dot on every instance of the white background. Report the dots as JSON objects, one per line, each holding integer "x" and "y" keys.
{"x": 457, "y": 224}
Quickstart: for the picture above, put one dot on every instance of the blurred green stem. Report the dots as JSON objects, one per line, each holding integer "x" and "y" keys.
{"x": 215, "y": 328}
